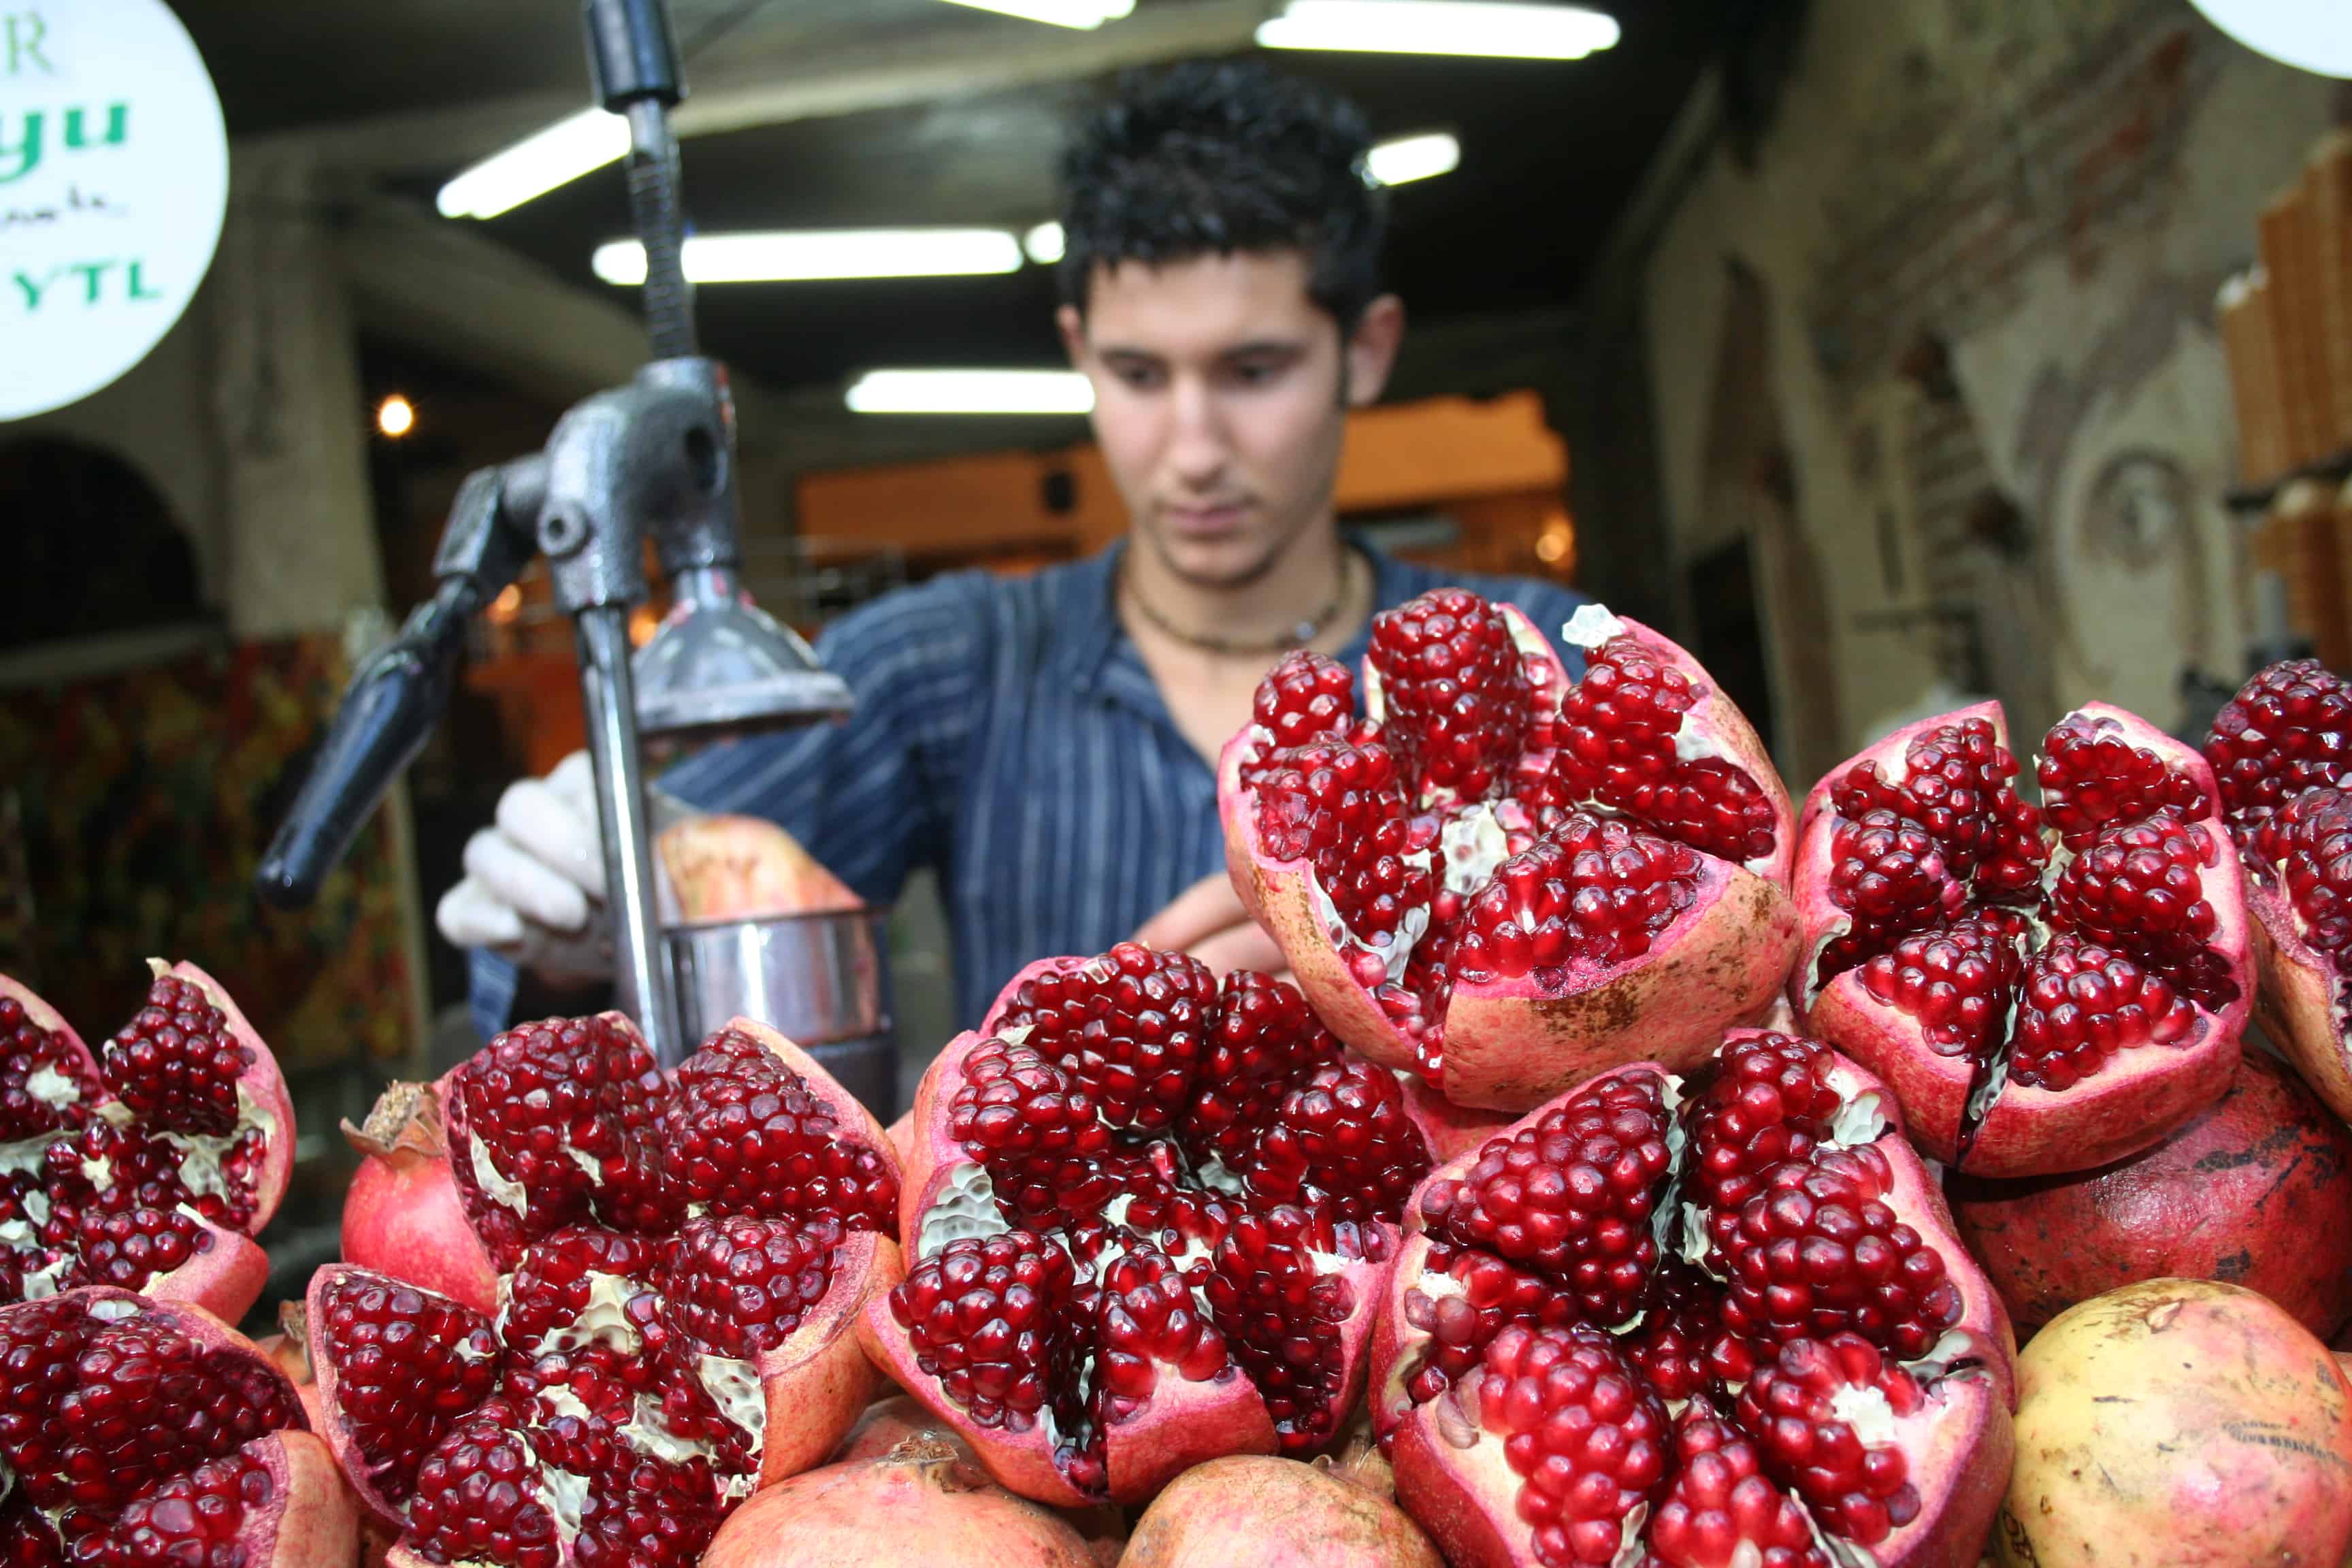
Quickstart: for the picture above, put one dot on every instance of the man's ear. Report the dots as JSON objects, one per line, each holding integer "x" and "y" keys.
{"x": 1371, "y": 350}
{"x": 1073, "y": 328}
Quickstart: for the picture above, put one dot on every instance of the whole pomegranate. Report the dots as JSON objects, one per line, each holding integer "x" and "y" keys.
{"x": 150, "y": 1167}
{"x": 923, "y": 1504}
{"x": 1148, "y": 1217}
{"x": 744, "y": 868}
{"x": 135, "y": 1431}
{"x": 1722, "y": 1323}
{"x": 2045, "y": 990}
{"x": 2179, "y": 1421}
{"x": 1273, "y": 1513}
{"x": 2281, "y": 750}
{"x": 2255, "y": 1190}
{"x": 1502, "y": 878}
{"x": 679, "y": 1262}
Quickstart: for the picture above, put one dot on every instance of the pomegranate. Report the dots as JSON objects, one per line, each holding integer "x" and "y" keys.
{"x": 923, "y": 1503}
{"x": 137, "y": 1431}
{"x": 1273, "y": 1513}
{"x": 2281, "y": 750}
{"x": 2181, "y": 1422}
{"x": 1503, "y": 880}
{"x": 1719, "y": 1324}
{"x": 744, "y": 868}
{"x": 2255, "y": 1190}
{"x": 888, "y": 1423}
{"x": 149, "y": 1168}
{"x": 1148, "y": 1216}
{"x": 679, "y": 1260}
{"x": 2045, "y": 990}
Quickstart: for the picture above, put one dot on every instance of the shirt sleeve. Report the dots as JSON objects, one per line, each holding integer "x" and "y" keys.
{"x": 873, "y": 797}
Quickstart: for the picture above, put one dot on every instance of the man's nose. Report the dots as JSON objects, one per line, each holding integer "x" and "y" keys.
{"x": 1198, "y": 449}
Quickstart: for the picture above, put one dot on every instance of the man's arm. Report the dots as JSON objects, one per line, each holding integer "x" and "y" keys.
{"x": 870, "y": 798}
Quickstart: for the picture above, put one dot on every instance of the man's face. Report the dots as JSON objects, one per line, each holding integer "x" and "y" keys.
{"x": 1220, "y": 400}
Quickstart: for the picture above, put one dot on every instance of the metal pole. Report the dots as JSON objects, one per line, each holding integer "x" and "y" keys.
{"x": 638, "y": 963}
{"x": 656, "y": 204}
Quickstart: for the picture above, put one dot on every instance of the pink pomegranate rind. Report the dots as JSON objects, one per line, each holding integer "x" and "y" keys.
{"x": 680, "y": 1261}
{"x": 1655, "y": 911}
{"x": 1147, "y": 1217}
{"x": 2113, "y": 1073}
{"x": 149, "y": 1165}
{"x": 1621, "y": 1176}
{"x": 2281, "y": 750}
{"x": 404, "y": 1208}
{"x": 137, "y": 1430}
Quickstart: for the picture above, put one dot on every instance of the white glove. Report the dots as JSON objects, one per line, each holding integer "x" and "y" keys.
{"x": 534, "y": 884}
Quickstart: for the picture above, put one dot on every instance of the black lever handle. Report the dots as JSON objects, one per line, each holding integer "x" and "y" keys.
{"x": 387, "y": 714}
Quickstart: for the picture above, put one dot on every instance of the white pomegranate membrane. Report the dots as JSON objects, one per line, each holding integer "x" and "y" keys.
{"x": 1502, "y": 878}
{"x": 2047, "y": 990}
{"x": 1731, "y": 1328}
{"x": 148, "y": 1167}
{"x": 679, "y": 1260}
{"x": 1147, "y": 1216}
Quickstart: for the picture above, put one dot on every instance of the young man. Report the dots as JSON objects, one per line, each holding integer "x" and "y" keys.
{"x": 1048, "y": 744}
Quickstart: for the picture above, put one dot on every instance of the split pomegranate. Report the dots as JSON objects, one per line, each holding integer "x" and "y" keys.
{"x": 149, "y": 1167}
{"x": 2182, "y": 1422}
{"x": 677, "y": 1262}
{"x": 1695, "y": 1327}
{"x": 1147, "y": 1217}
{"x": 744, "y": 868}
{"x": 2281, "y": 750}
{"x": 2255, "y": 1190}
{"x": 2045, "y": 990}
{"x": 135, "y": 1431}
{"x": 1503, "y": 880}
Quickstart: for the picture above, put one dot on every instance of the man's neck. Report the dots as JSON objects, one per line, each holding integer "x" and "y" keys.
{"x": 1300, "y": 585}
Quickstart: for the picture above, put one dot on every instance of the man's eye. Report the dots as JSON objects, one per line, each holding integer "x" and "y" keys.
{"x": 1137, "y": 377}
{"x": 1254, "y": 372}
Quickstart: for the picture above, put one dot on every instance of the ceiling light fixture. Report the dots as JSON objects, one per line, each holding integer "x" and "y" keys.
{"x": 1494, "y": 28}
{"x": 789, "y": 256}
{"x": 1044, "y": 243}
{"x": 1409, "y": 158}
{"x": 537, "y": 164}
{"x": 971, "y": 392}
{"x": 2312, "y": 34}
{"x": 1056, "y": 13}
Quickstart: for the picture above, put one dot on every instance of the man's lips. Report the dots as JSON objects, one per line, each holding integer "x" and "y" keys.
{"x": 1205, "y": 521}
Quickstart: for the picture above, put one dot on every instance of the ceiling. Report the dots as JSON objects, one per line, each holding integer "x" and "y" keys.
{"x": 1550, "y": 150}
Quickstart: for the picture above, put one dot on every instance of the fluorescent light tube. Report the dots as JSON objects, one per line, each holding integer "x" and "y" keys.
{"x": 1487, "y": 27}
{"x": 1414, "y": 158}
{"x": 1044, "y": 243}
{"x": 536, "y": 164}
{"x": 799, "y": 256}
{"x": 971, "y": 392}
{"x": 1057, "y": 13}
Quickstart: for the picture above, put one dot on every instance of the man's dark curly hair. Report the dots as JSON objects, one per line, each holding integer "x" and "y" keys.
{"x": 1225, "y": 156}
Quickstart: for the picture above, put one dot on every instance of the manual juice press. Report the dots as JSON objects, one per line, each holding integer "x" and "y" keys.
{"x": 654, "y": 459}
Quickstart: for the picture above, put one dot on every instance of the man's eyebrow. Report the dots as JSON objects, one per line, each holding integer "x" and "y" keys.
{"x": 1257, "y": 346}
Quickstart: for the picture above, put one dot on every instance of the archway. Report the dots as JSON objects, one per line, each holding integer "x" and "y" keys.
{"x": 93, "y": 548}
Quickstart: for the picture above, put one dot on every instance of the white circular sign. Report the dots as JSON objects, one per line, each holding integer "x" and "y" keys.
{"x": 113, "y": 183}
{"x": 2315, "y": 35}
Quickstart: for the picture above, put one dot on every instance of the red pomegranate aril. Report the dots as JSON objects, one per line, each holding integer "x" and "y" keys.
{"x": 2092, "y": 775}
{"x": 1955, "y": 785}
{"x": 1864, "y": 1493}
{"x": 1127, "y": 1026}
{"x": 190, "y": 1519}
{"x": 128, "y": 1249}
{"x": 409, "y": 1364}
{"x": 1570, "y": 1197}
{"x": 2309, "y": 842}
{"x": 741, "y": 1285}
{"x": 1722, "y": 1511}
{"x": 1342, "y": 1138}
{"x": 2083, "y": 1004}
{"x": 1485, "y": 1296}
{"x": 477, "y": 1498}
{"x": 1769, "y": 1102}
{"x": 986, "y": 1316}
{"x": 1958, "y": 982}
{"x": 1596, "y": 891}
{"x": 1590, "y": 1439}
{"x": 1148, "y": 1318}
{"x": 45, "y": 1084}
{"x": 1265, "y": 1041}
{"x": 2287, "y": 730}
{"x": 2137, "y": 889}
{"x": 742, "y": 1126}
{"x": 1890, "y": 873}
{"x": 1281, "y": 1316}
{"x": 1305, "y": 697}
{"x": 1455, "y": 696}
{"x": 175, "y": 1061}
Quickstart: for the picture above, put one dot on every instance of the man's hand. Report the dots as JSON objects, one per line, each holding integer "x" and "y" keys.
{"x": 1207, "y": 920}
{"x": 534, "y": 885}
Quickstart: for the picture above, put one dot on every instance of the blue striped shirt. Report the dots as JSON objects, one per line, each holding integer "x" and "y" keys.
{"x": 1008, "y": 735}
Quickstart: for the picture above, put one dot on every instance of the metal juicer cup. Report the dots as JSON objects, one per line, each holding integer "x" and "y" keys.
{"x": 821, "y": 979}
